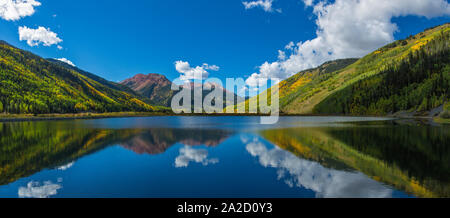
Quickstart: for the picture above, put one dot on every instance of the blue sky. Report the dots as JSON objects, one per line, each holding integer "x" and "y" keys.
{"x": 118, "y": 39}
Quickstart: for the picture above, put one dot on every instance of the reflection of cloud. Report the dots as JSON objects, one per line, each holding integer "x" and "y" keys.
{"x": 311, "y": 175}
{"x": 188, "y": 154}
{"x": 36, "y": 190}
{"x": 66, "y": 167}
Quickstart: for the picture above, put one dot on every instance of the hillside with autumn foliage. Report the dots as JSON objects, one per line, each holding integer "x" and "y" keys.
{"x": 408, "y": 77}
{"x": 417, "y": 83}
{"x": 30, "y": 84}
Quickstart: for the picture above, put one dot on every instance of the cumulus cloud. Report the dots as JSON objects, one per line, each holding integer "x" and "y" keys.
{"x": 65, "y": 60}
{"x": 281, "y": 55}
{"x": 188, "y": 154}
{"x": 41, "y": 35}
{"x": 267, "y": 71}
{"x": 189, "y": 73}
{"x": 326, "y": 183}
{"x": 308, "y": 2}
{"x": 38, "y": 190}
{"x": 347, "y": 29}
{"x": 16, "y": 9}
{"x": 266, "y": 5}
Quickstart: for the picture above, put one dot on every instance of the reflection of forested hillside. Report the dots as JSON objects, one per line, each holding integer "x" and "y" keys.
{"x": 155, "y": 141}
{"x": 409, "y": 158}
{"x": 422, "y": 152}
{"x": 29, "y": 147}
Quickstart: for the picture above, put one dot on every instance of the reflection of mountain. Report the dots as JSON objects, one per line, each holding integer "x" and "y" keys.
{"x": 156, "y": 141}
{"x": 411, "y": 159}
{"x": 29, "y": 147}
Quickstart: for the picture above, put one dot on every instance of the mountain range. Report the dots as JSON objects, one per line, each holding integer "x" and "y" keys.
{"x": 158, "y": 89}
{"x": 406, "y": 77}
{"x": 30, "y": 84}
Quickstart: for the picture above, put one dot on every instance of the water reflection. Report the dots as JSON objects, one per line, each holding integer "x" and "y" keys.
{"x": 39, "y": 190}
{"x": 410, "y": 158}
{"x": 328, "y": 183}
{"x": 371, "y": 159}
{"x": 30, "y": 147}
{"x": 66, "y": 166}
{"x": 157, "y": 141}
{"x": 189, "y": 154}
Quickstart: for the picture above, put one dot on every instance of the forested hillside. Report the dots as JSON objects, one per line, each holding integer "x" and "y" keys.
{"x": 33, "y": 85}
{"x": 418, "y": 83}
{"x": 293, "y": 89}
{"x": 409, "y": 76}
{"x": 102, "y": 81}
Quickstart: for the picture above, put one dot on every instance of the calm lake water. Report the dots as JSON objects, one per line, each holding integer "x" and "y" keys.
{"x": 224, "y": 157}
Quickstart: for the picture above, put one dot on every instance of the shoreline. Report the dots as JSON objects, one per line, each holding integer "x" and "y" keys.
{"x": 81, "y": 116}
{"x": 87, "y": 116}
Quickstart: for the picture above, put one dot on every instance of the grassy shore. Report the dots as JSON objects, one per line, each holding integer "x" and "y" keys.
{"x": 441, "y": 120}
{"x": 38, "y": 117}
{"x": 33, "y": 117}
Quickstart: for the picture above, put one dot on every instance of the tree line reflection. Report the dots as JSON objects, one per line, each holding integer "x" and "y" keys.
{"x": 352, "y": 161}
{"x": 30, "y": 147}
{"x": 410, "y": 158}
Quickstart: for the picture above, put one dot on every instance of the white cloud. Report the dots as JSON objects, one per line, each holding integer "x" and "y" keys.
{"x": 347, "y": 29}
{"x": 290, "y": 46}
{"x": 41, "y": 35}
{"x": 188, "y": 154}
{"x": 308, "y": 2}
{"x": 326, "y": 183}
{"x": 16, "y": 9}
{"x": 266, "y": 71}
{"x": 38, "y": 190}
{"x": 65, "y": 60}
{"x": 266, "y": 5}
{"x": 189, "y": 73}
{"x": 281, "y": 55}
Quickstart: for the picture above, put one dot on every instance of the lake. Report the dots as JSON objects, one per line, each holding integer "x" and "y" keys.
{"x": 185, "y": 157}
